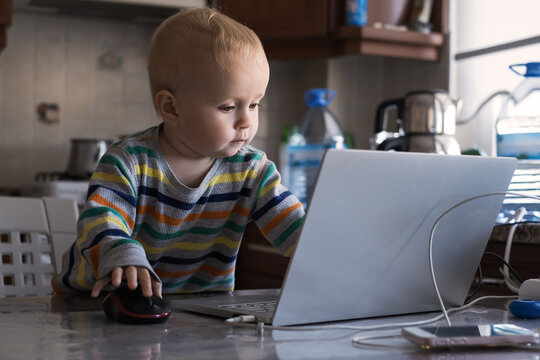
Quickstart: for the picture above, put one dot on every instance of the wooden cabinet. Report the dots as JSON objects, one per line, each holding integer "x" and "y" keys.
{"x": 289, "y": 28}
{"x": 523, "y": 254}
{"x": 281, "y": 19}
{"x": 5, "y": 21}
{"x": 5, "y": 12}
{"x": 523, "y": 258}
{"x": 315, "y": 28}
{"x": 259, "y": 265}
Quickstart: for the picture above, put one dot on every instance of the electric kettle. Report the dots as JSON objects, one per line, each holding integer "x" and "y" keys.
{"x": 425, "y": 122}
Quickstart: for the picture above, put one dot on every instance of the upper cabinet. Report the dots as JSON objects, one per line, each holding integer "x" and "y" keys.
{"x": 282, "y": 19}
{"x": 5, "y": 20}
{"x": 316, "y": 28}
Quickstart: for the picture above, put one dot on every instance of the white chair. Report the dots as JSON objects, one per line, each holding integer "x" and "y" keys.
{"x": 34, "y": 233}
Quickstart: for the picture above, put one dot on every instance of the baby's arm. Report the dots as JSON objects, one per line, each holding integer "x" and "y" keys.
{"x": 105, "y": 248}
{"x": 277, "y": 212}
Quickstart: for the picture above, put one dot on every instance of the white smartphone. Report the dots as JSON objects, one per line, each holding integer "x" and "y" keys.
{"x": 466, "y": 336}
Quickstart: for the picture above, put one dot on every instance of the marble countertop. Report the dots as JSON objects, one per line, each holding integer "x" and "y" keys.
{"x": 526, "y": 233}
{"x": 75, "y": 327}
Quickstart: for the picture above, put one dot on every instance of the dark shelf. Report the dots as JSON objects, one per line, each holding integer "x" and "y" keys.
{"x": 395, "y": 43}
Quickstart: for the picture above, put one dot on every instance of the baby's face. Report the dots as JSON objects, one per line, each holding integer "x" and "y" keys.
{"x": 219, "y": 111}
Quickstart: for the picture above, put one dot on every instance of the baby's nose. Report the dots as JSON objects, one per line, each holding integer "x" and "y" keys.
{"x": 243, "y": 121}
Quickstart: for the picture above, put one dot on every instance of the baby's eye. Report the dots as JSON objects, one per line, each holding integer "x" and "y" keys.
{"x": 254, "y": 106}
{"x": 227, "y": 108}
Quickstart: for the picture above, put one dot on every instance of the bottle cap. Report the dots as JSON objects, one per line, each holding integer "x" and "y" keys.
{"x": 532, "y": 69}
{"x": 319, "y": 97}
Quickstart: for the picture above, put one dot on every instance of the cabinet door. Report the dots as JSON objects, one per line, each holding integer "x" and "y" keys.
{"x": 281, "y": 19}
{"x": 5, "y": 12}
{"x": 259, "y": 265}
{"x": 3, "y": 37}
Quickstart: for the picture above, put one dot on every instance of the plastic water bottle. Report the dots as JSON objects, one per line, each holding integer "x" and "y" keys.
{"x": 320, "y": 130}
{"x": 518, "y": 124}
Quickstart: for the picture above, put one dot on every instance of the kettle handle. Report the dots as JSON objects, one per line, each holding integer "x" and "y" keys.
{"x": 383, "y": 108}
{"x": 396, "y": 144}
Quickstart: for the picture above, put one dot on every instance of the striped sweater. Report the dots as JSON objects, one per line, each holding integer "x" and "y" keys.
{"x": 138, "y": 213}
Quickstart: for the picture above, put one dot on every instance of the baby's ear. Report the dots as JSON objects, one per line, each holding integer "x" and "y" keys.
{"x": 166, "y": 105}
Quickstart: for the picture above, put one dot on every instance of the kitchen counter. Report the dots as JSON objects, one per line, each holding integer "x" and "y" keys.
{"x": 526, "y": 233}
{"x": 75, "y": 327}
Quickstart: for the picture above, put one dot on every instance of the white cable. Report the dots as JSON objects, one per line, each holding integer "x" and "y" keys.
{"x": 431, "y": 268}
{"x": 361, "y": 340}
{"x": 517, "y": 217}
{"x": 488, "y": 99}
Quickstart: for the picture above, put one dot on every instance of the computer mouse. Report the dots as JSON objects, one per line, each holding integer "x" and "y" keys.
{"x": 131, "y": 307}
{"x": 530, "y": 290}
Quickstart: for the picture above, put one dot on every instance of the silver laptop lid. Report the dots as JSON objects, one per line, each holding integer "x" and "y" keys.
{"x": 363, "y": 250}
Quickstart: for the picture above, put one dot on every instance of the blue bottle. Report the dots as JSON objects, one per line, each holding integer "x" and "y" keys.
{"x": 320, "y": 130}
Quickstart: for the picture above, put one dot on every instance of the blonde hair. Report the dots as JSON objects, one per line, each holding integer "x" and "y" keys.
{"x": 189, "y": 37}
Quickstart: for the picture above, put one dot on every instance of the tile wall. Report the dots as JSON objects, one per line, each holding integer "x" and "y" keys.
{"x": 53, "y": 59}
{"x": 56, "y": 59}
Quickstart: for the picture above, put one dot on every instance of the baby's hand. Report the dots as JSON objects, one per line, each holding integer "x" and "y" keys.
{"x": 134, "y": 275}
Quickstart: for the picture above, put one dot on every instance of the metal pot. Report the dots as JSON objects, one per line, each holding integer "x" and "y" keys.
{"x": 84, "y": 156}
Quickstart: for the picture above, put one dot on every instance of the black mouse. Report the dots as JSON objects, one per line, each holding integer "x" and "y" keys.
{"x": 131, "y": 307}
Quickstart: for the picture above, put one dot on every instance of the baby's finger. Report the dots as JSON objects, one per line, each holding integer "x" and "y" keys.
{"x": 99, "y": 285}
{"x": 144, "y": 281}
{"x": 156, "y": 288}
{"x": 131, "y": 277}
{"x": 117, "y": 276}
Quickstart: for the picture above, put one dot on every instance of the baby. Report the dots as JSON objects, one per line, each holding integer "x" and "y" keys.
{"x": 167, "y": 207}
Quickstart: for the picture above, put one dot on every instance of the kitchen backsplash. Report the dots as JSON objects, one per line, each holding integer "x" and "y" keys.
{"x": 95, "y": 70}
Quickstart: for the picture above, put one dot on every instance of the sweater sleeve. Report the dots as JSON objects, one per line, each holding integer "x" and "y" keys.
{"x": 276, "y": 211}
{"x": 105, "y": 226}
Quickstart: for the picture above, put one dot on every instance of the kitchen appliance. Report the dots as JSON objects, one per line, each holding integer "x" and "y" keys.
{"x": 84, "y": 157}
{"x": 425, "y": 121}
{"x": 57, "y": 184}
{"x": 72, "y": 183}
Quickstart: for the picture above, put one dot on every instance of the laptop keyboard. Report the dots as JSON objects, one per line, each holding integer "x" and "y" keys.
{"x": 261, "y": 307}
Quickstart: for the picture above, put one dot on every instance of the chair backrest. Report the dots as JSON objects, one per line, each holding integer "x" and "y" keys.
{"x": 34, "y": 233}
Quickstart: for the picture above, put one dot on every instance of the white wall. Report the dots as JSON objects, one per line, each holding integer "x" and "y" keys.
{"x": 54, "y": 59}
{"x": 481, "y": 24}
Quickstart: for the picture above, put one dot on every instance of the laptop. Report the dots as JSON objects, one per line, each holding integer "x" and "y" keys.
{"x": 363, "y": 247}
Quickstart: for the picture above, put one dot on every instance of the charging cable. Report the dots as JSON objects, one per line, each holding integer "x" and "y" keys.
{"x": 431, "y": 267}
{"x": 516, "y": 218}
